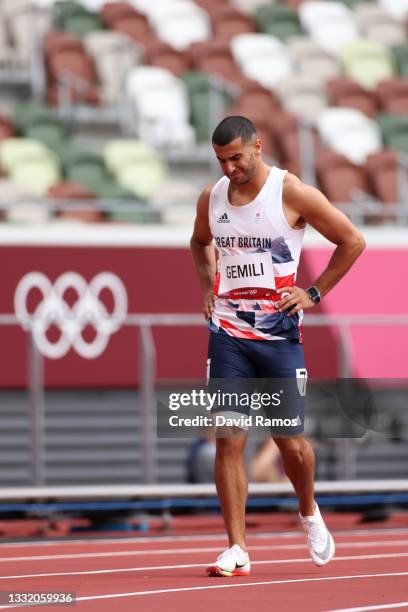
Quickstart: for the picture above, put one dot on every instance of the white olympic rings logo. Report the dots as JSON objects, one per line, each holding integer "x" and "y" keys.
{"x": 88, "y": 310}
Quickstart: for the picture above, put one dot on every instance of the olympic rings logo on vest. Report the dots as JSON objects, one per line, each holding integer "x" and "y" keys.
{"x": 87, "y": 310}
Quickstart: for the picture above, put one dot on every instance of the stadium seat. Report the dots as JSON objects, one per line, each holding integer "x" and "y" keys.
{"x": 142, "y": 177}
{"x": 6, "y": 127}
{"x": 74, "y": 17}
{"x": 210, "y": 5}
{"x": 214, "y": 57}
{"x": 311, "y": 60}
{"x": 199, "y": 92}
{"x": 382, "y": 169}
{"x": 348, "y": 93}
{"x": 12, "y": 192}
{"x": 112, "y": 11}
{"x": 119, "y": 153}
{"x": 175, "y": 199}
{"x": 254, "y": 96}
{"x": 160, "y": 124}
{"x": 367, "y": 62}
{"x": 179, "y": 23}
{"x": 340, "y": 180}
{"x": 25, "y": 25}
{"x": 113, "y": 56}
{"x": 67, "y": 61}
{"x": 66, "y": 190}
{"x": 15, "y": 150}
{"x": 302, "y": 95}
{"x": 378, "y": 25}
{"x": 86, "y": 168}
{"x": 400, "y": 55}
{"x": 393, "y": 96}
{"x": 249, "y": 6}
{"x": 40, "y": 173}
{"x": 278, "y": 20}
{"x": 81, "y": 25}
{"x": 330, "y": 24}
{"x": 394, "y": 130}
{"x": 287, "y": 137}
{"x": 51, "y": 132}
{"x": 163, "y": 55}
{"x": 228, "y": 21}
{"x": 396, "y": 8}
{"x": 349, "y": 132}
{"x": 262, "y": 57}
{"x": 136, "y": 27}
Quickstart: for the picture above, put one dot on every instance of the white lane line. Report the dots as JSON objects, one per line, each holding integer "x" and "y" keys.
{"x": 183, "y": 551}
{"x": 401, "y": 604}
{"x": 227, "y": 586}
{"x": 193, "y": 565}
{"x": 136, "y": 539}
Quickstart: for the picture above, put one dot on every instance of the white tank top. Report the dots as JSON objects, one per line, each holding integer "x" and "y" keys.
{"x": 258, "y": 252}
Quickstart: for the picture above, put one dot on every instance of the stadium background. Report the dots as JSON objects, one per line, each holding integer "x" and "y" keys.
{"x": 106, "y": 114}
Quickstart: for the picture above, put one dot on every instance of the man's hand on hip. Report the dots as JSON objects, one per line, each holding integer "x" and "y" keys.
{"x": 208, "y": 307}
{"x": 296, "y": 299}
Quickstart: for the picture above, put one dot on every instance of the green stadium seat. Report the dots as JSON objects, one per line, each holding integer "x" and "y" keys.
{"x": 28, "y": 113}
{"x": 63, "y": 9}
{"x": 110, "y": 190}
{"x": 278, "y": 20}
{"x": 394, "y": 130}
{"x": 199, "y": 92}
{"x": 352, "y": 3}
{"x": 400, "y": 54}
{"x": 367, "y": 62}
{"x": 51, "y": 132}
{"x": 81, "y": 25}
{"x": 86, "y": 168}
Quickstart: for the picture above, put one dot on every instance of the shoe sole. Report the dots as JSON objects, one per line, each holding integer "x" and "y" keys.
{"x": 216, "y": 572}
{"x": 319, "y": 562}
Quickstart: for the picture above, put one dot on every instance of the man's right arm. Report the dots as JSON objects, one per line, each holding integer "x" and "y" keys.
{"x": 203, "y": 252}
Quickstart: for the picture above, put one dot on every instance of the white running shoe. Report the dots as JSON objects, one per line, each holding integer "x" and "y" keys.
{"x": 319, "y": 539}
{"x": 232, "y": 562}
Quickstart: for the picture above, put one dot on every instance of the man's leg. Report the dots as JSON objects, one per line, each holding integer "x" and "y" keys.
{"x": 232, "y": 484}
{"x": 299, "y": 463}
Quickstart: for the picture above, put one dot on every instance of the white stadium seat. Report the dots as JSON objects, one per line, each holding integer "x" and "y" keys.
{"x": 245, "y": 47}
{"x": 349, "y": 132}
{"x": 159, "y": 107}
{"x": 302, "y": 95}
{"x": 330, "y": 24}
{"x": 396, "y": 8}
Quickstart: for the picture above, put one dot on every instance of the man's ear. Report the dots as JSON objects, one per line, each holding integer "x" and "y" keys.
{"x": 258, "y": 146}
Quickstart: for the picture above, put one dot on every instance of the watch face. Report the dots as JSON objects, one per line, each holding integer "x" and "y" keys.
{"x": 314, "y": 294}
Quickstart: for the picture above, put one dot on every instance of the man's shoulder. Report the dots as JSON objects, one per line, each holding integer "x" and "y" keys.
{"x": 292, "y": 186}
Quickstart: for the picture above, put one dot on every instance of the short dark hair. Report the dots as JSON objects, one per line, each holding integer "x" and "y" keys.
{"x": 231, "y": 128}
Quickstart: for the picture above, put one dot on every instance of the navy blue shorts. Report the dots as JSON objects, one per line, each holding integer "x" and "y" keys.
{"x": 231, "y": 357}
{"x": 234, "y": 363}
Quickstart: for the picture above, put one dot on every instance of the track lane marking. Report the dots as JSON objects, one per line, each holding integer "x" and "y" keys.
{"x": 183, "y": 538}
{"x": 226, "y": 586}
{"x": 401, "y": 604}
{"x": 193, "y": 565}
{"x": 178, "y": 551}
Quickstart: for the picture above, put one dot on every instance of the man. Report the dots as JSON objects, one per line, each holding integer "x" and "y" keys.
{"x": 255, "y": 309}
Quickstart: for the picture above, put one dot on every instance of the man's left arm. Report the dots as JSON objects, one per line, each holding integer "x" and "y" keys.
{"x": 311, "y": 205}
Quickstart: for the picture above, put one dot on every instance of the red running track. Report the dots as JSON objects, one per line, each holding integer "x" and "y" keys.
{"x": 369, "y": 572}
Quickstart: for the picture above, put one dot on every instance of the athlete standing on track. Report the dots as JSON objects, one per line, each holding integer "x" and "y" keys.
{"x": 255, "y": 211}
